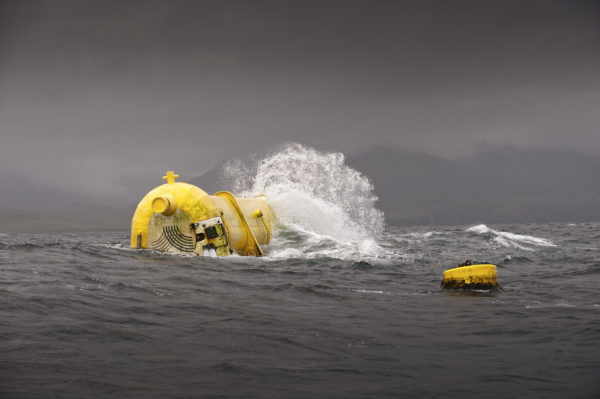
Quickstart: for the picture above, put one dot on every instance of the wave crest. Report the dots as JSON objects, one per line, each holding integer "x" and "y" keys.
{"x": 315, "y": 194}
{"x": 508, "y": 239}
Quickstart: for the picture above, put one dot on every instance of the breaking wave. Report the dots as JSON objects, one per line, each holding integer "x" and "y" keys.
{"x": 320, "y": 202}
{"x": 507, "y": 239}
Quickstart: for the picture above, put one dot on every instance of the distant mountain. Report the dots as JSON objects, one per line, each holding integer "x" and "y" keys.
{"x": 497, "y": 185}
{"x": 29, "y": 207}
{"x": 212, "y": 180}
{"x": 76, "y": 218}
{"x": 215, "y": 179}
{"x": 19, "y": 192}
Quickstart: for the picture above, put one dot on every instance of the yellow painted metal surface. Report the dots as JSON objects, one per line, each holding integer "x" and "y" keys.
{"x": 182, "y": 218}
{"x": 483, "y": 276}
{"x": 166, "y": 204}
{"x": 249, "y": 246}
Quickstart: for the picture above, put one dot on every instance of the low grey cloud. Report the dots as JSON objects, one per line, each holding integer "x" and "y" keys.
{"x": 103, "y": 97}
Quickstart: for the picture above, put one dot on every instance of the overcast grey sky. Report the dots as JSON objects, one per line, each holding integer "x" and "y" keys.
{"x": 98, "y": 95}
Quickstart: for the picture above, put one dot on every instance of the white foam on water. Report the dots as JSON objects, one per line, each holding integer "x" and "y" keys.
{"x": 555, "y": 304}
{"x": 114, "y": 246}
{"x": 479, "y": 229}
{"x": 511, "y": 240}
{"x": 316, "y": 197}
{"x": 417, "y": 236}
{"x": 372, "y": 292}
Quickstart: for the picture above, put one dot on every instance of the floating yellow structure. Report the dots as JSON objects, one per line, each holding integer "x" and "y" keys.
{"x": 471, "y": 277}
{"x": 180, "y": 217}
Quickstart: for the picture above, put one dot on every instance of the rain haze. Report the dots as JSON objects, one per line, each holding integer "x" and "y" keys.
{"x": 98, "y": 99}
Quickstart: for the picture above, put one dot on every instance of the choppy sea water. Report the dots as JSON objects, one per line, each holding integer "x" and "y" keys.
{"x": 82, "y": 315}
{"x": 339, "y": 307}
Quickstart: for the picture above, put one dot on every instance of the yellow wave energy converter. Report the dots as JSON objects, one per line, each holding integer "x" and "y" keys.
{"x": 471, "y": 277}
{"x": 181, "y": 218}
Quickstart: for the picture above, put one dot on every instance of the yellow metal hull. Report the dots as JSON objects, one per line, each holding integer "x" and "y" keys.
{"x": 180, "y": 217}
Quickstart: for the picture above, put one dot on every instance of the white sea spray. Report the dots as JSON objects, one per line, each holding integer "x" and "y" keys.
{"x": 316, "y": 196}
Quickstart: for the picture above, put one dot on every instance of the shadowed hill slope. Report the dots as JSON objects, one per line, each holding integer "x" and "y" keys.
{"x": 212, "y": 180}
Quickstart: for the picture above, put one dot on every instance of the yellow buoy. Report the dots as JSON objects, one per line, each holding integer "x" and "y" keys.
{"x": 471, "y": 277}
{"x": 179, "y": 217}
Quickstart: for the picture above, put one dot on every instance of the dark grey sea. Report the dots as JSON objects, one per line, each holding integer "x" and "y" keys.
{"x": 84, "y": 316}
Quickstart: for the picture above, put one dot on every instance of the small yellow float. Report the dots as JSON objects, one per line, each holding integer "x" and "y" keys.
{"x": 483, "y": 277}
{"x": 181, "y": 218}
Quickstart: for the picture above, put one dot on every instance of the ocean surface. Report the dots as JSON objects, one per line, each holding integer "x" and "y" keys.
{"x": 341, "y": 306}
{"x": 82, "y": 315}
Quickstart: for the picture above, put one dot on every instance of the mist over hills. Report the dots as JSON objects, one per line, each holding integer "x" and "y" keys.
{"x": 495, "y": 185}
{"x": 27, "y": 207}
{"x": 212, "y": 180}
{"x": 80, "y": 217}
